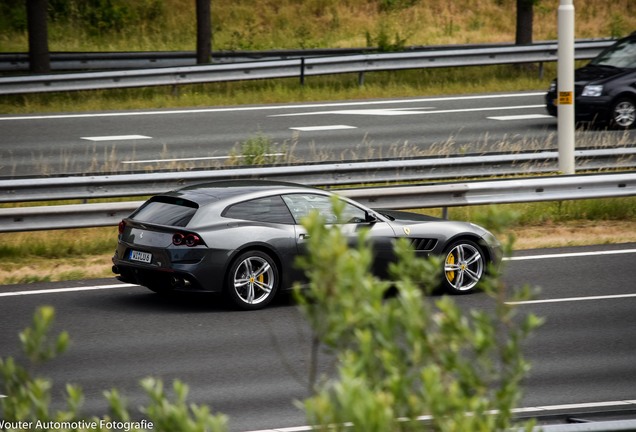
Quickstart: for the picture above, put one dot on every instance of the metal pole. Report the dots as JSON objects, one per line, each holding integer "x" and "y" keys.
{"x": 565, "y": 87}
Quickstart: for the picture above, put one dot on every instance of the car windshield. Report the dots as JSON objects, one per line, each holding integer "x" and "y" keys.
{"x": 166, "y": 211}
{"x": 620, "y": 55}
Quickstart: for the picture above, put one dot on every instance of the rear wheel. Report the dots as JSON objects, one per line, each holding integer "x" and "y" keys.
{"x": 252, "y": 280}
{"x": 623, "y": 114}
{"x": 464, "y": 266}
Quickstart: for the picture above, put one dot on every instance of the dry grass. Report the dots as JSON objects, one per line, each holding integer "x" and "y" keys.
{"x": 276, "y": 24}
{"x": 55, "y": 269}
{"x": 575, "y": 233}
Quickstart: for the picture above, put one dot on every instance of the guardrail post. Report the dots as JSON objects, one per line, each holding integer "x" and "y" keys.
{"x": 360, "y": 79}
{"x": 302, "y": 71}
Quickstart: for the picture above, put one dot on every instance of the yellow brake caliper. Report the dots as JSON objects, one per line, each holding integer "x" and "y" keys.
{"x": 450, "y": 275}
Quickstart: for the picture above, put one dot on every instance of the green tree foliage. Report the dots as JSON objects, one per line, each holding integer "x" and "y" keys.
{"x": 94, "y": 16}
{"x": 404, "y": 352}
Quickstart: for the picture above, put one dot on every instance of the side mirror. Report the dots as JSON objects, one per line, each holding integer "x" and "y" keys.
{"x": 370, "y": 218}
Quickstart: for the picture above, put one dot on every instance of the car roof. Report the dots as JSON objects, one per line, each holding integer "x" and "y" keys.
{"x": 226, "y": 190}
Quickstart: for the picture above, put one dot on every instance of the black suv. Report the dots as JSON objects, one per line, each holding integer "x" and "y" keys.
{"x": 605, "y": 89}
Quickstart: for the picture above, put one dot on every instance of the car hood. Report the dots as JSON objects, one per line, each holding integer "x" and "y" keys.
{"x": 402, "y": 216}
{"x": 420, "y": 224}
{"x": 599, "y": 74}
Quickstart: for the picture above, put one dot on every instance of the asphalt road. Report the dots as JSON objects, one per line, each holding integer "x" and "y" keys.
{"x": 253, "y": 365}
{"x": 194, "y": 138}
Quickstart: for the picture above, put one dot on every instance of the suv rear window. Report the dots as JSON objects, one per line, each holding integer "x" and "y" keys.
{"x": 166, "y": 211}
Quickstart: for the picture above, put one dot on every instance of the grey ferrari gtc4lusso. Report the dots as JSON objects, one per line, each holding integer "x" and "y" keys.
{"x": 241, "y": 238}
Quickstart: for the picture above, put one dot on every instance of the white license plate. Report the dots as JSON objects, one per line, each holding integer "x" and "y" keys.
{"x": 140, "y": 256}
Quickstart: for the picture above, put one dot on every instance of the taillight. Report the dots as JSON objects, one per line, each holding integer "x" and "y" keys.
{"x": 121, "y": 226}
{"x": 178, "y": 239}
{"x": 190, "y": 240}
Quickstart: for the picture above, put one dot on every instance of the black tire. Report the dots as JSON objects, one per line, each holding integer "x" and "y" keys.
{"x": 623, "y": 114}
{"x": 252, "y": 280}
{"x": 464, "y": 267}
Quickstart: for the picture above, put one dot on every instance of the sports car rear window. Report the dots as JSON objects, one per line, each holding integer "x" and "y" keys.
{"x": 166, "y": 211}
{"x": 267, "y": 209}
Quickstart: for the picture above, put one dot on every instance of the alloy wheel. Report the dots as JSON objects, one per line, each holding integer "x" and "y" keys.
{"x": 463, "y": 266}
{"x": 253, "y": 281}
{"x": 624, "y": 114}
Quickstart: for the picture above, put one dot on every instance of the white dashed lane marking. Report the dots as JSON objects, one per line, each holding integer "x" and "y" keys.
{"x": 322, "y": 128}
{"x": 521, "y": 117}
{"x": 115, "y": 138}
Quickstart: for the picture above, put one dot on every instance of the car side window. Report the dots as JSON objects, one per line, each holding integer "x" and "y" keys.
{"x": 301, "y": 205}
{"x": 268, "y": 209}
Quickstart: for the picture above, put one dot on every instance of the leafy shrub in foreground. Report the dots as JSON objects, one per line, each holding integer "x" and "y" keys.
{"x": 404, "y": 353}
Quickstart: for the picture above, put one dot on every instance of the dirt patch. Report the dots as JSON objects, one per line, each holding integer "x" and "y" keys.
{"x": 578, "y": 233}
{"x": 50, "y": 270}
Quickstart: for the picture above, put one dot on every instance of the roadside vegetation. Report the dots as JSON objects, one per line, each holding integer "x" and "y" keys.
{"x": 169, "y": 25}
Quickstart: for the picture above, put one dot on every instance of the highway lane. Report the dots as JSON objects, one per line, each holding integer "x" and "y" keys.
{"x": 203, "y": 137}
{"x": 253, "y": 365}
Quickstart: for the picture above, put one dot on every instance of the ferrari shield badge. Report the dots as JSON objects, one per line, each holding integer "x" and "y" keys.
{"x": 407, "y": 230}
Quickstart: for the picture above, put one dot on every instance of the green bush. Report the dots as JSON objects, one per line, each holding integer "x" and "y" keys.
{"x": 257, "y": 150}
{"x": 402, "y": 352}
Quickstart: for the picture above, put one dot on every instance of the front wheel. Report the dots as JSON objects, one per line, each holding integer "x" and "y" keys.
{"x": 252, "y": 280}
{"x": 464, "y": 266}
{"x": 623, "y": 114}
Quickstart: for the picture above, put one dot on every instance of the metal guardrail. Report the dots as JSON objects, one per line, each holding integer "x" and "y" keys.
{"x": 85, "y": 61}
{"x": 299, "y": 67}
{"x": 332, "y": 174}
{"x": 396, "y": 197}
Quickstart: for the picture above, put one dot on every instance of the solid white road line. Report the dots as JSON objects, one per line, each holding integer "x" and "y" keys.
{"x": 271, "y": 108}
{"x": 401, "y": 112}
{"x": 531, "y": 257}
{"x": 62, "y": 290}
{"x": 573, "y": 299}
{"x": 570, "y": 255}
{"x": 537, "y": 409}
{"x": 115, "y": 138}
